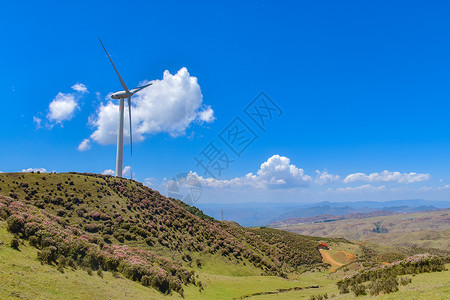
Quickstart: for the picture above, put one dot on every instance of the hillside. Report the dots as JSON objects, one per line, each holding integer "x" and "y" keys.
{"x": 94, "y": 236}
{"x": 97, "y": 222}
{"x": 421, "y": 229}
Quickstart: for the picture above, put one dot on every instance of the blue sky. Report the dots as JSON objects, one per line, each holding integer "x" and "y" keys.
{"x": 363, "y": 88}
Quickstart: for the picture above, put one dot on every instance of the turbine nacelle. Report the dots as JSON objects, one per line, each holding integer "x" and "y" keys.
{"x": 127, "y": 94}
{"x": 121, "y": 94}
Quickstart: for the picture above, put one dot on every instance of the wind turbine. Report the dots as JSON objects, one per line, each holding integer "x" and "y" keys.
{"x": 122, "y": 95}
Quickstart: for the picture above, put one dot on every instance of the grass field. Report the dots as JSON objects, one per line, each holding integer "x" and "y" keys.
{"x": 83, "y": 201}
{"x": 23, "y": 277}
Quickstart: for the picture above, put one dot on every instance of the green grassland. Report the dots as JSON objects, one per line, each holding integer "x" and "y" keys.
{"x": 94, "y": 222}
{"x": 80, "y": 217}
{"x": 23, "y": 277}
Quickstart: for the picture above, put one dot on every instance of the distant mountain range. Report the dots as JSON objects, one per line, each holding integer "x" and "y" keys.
{"x": 263, "y": 213}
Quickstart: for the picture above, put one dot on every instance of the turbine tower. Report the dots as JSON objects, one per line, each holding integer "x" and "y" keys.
{"x": 121, "y": 95}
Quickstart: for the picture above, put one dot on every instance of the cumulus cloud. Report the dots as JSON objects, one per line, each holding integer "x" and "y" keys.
{"x": 84, "y": 145}
{"x": 387, "y": 176}
{"x": 109, "y": 172}
{"x": 62, "y": 108}
{"x": 79, "y": 87}
{"x": 362, "y": 188}
{"x": 277, "y": 172}
{"x": 42, "y": 170}
{"x": 126, "y": 171}
{"x": 326, "y": 178}
{"x": 206, "y": 114}
{"x": 169, "y": 105}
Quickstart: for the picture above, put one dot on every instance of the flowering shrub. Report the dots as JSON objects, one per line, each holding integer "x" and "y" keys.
{"x": 383, "y": 277}
{"x": 129, "y": 213}
{"x": 60, "y": 243}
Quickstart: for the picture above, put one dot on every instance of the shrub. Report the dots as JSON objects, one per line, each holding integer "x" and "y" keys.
{"x": 389, "y": 285}
{"x": 34, "y": 241}
{"x": 60, "y": 268}
{"x": 15, "y": 243}
{"x": 405, "y": 280}
{"x": 383, "y": 278}
{"x": 4, "y": 213}
{"x": 343, "y": 287}
{"x": 198, "y": 262}
{"x": 359, "y": 290}
{"x": 47, "y": 255}
{"x": 15, "y": 224}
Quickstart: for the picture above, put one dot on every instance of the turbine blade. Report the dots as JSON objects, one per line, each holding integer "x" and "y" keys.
{"x": 137, "y": 89}
{"x": 117, "y": 72}
{"x": 131, "y": 133}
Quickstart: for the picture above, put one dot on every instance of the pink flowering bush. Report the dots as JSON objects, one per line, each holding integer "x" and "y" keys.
{"x": 59, "y": 242}
{"x": 98, "y": 211}
{"x": 383, "y": 277}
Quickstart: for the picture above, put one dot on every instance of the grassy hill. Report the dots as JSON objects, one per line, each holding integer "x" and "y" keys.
{"x": 101, "y": 222}
{"x": 93, "y": 236}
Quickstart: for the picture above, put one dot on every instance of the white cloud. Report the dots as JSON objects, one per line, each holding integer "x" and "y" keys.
{"x": 387, "y": 176}
{"x": 37, "y": 121}
{"x": 445, "y": 187}
{"x": 169, "y": 105}
{"x": 84, "y": 145}
{"x": 276, "y": 172}
{"x": 62, "y": 108}
{"x": 127, "y": 171}
{"x": 79, "y": 87}
{"x": 42, "y": 170}
{"x": 151, "y": 182}
{"x": 425, "y": 188}
{"x": 326, "y": 178}
{"x": 206, "y": 115}
{"x": 109, "y": 172}
{"x": 362, "y": 188}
